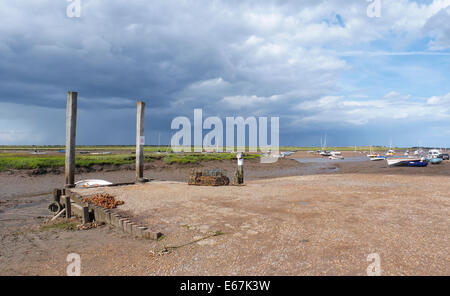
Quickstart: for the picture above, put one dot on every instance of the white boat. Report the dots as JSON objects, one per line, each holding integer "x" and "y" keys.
{"x": 92, "y": 183}
{"x": 400, "y": 161}
{"x": 38, "y": 152}
{"x": 377, "y": 158}
{"x": 101, "y": 153}
{"x": 335, "y": 155}
{"x": 433, "y": 153}
{"x": 325, "y": 153}
{"x": 288, "y": 153}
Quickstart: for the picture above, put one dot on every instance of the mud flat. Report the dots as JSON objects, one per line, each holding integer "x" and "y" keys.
{"x": 316, "y": 222}
{"x": 322, "y": 224}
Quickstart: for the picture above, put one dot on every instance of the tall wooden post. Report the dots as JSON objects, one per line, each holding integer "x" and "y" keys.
{"x": 140, "y": 142}
{"x": 71, "y": 128}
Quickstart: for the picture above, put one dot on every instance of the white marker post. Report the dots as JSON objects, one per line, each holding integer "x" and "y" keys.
{"x": 240, "y": 163}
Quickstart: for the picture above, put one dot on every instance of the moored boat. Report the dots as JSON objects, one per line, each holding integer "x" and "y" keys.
{"x": 390, "y": 152}
{"x": 373, "y": 155}
{"x": 401, "y": 161}
{"x": 377, "y": 158}
{"x": 420, "y": 163}
{"x": 435, "y": 160}
{"x": 92, "y": 183}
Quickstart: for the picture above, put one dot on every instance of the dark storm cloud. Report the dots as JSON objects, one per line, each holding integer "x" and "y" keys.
{"x": 261, "y": 58}
{"x": 123, "y": 50}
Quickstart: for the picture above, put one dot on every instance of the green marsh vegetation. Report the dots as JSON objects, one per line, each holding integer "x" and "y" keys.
{"x": 27, "y": 161}
{"x": 21, "y": 157}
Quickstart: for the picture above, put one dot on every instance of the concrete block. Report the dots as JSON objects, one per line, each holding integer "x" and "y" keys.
{"x": 96, "y": 213}
{"x": 107, "y": 216}
{"x": 134, "y": 229}
{"x": 99, "y": 214}
{"x": 152, "y": 234}
{"x": 129, "y": 227}
{"x": 77, "y": 210}
{"x": 102, "y": 214}
{"x": 114, "y": 219}
{"x": 121, "y": 223}
{"x": 140, "y": 231}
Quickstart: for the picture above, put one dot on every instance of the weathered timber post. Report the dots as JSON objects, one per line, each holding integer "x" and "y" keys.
{"x": 57, "y": 195}
{"x": 71, "y": 128}
{"x": 55, "y": 206}
{"x": 85, "y": 215}
{"x": 140, "y": 142}
{"x": 68, "y": 205}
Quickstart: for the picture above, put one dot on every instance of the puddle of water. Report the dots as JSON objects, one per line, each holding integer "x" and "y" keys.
{"x": 303, "y": 203}
{"x": 20, "y": 213}
{"x": 326, "y": 160}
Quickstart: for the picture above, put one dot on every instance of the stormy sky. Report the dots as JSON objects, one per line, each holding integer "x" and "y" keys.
{"x": 323, "y": 67}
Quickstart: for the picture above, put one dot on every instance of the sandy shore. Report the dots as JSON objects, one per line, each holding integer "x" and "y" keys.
{"x": 324, "y": 219}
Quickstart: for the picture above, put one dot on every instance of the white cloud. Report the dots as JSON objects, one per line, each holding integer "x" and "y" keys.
{"x": 438, "y": 26}
{"x": 392, "y": 107}
{"x": 439, "y": 100}
{"x": 250, "y": 101}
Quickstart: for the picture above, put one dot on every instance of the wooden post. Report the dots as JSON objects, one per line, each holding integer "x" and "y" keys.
{"x": 140, "y": 142}
{"x": 71, "y": 127}
{"x": 68, "y": 206}
{"x": 57, "y": 195}
{"x": 85, "y": 215}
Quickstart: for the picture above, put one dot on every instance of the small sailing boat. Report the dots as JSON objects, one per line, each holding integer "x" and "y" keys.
{"x": 391, "y": 151}
{"x": 324, "y": 152}
{"x": 372, "y": 154}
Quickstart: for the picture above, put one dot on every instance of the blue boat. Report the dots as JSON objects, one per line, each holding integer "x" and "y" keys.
{"x": 417, "y": 163}
{"x": 435, "y": 160}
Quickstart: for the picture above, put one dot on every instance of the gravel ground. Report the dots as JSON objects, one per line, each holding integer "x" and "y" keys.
{"x": 304, "y": 225}
{"x": 307, "y": 224}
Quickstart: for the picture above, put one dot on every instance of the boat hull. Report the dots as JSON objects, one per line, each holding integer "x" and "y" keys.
{"x": 92, "y": 183}
{"x": 400, "y": 161}
{"x": 417, "y": 163}
{"x": 435, "y": 160}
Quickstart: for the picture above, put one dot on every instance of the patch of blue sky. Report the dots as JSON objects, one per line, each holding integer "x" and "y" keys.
{"x": 375, "y": 76}
{"x": 334, "y": 20}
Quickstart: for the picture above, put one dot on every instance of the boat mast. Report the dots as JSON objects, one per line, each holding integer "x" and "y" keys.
{"x": 159, "y": 141}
